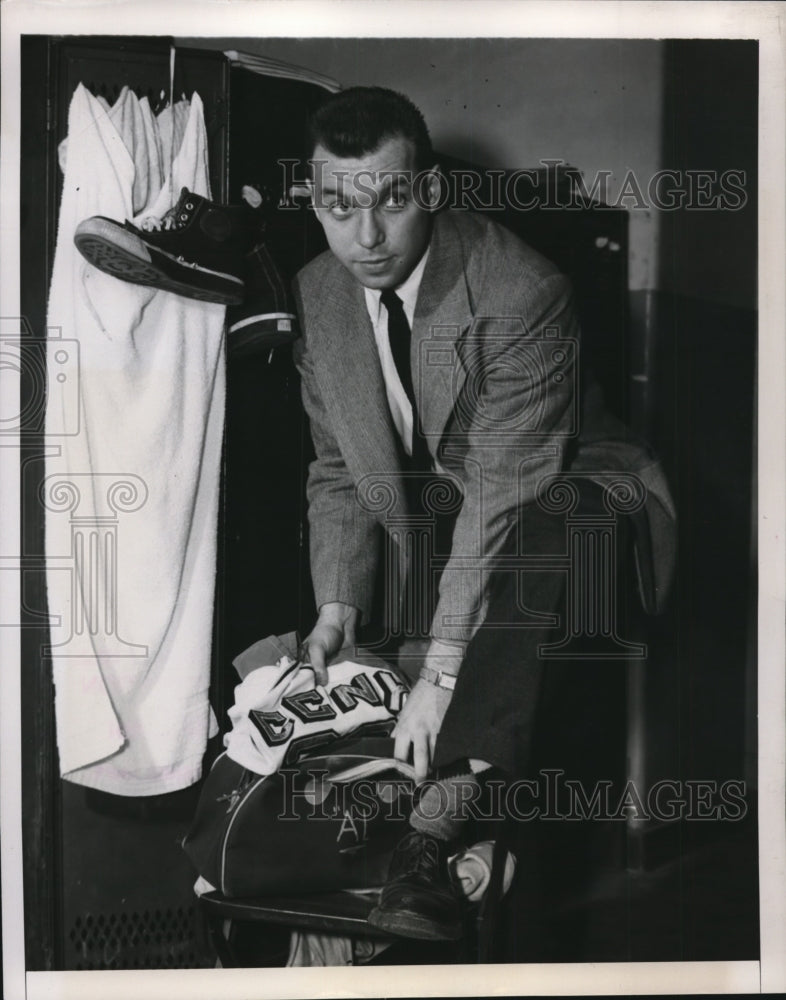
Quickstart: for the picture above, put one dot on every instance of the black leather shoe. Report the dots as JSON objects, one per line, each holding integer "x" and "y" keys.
{"x": 420, "y": 898}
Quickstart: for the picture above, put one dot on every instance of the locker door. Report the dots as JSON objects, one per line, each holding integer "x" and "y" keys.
{"x": 267, "y": 586}
{"x": 106, "y": 883}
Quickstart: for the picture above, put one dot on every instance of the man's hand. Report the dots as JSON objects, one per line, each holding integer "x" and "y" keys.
{"x": 420, "y": 720}
{"x": 334, "y": 629}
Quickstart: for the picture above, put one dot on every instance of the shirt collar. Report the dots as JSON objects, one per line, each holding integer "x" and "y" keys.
{"x": 407, "y": 291}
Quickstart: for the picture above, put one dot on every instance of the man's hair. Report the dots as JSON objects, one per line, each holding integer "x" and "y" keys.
{"x": 357, "y": 121}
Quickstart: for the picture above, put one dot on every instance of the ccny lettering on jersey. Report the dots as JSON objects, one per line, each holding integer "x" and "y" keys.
{"x": 317, "y": 707}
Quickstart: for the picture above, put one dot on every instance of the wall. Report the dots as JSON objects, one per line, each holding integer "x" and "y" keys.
{"x": 510, "y": 102}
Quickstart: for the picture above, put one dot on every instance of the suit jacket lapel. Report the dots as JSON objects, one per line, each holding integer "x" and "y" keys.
{"x": 351, "y": 378}
{"x": 347, "y": 363}
{"x": 442, "y": 316}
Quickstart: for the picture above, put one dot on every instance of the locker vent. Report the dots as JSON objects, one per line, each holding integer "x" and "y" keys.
{"x": 167, "y": 938}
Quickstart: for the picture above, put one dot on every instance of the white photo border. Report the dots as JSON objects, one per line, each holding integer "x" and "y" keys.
{"x": 425, "y": 18}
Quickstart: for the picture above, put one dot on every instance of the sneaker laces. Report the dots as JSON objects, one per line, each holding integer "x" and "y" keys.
{"x": 168, "y": 220}
{"x": 171, "y": 218}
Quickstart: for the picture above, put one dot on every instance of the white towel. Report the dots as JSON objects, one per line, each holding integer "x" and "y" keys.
{"x": 171, "y": 126}
{"x": 132, "y": 709}
{"x": 139, "y": 131}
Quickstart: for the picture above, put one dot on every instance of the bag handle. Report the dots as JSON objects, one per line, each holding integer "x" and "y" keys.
{"x": 318, "y": 790}
{"x": 370, "y": 768}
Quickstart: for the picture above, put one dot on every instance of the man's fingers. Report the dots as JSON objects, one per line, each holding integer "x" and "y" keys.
{"x": 401, "y": 745}
{"x": 315, "y": 655}
{"x": 421, "y": 759}
{"x": 421, "y": 756}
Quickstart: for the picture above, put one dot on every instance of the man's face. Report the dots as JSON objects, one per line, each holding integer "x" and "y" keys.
{"x": 372, "y": 222}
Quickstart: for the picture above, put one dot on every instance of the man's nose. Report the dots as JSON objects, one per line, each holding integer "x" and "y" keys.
{"x": 370, "y": 233}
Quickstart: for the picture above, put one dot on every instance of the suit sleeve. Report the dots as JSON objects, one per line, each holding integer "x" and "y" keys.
{"x": 344, "y": 539}
{"x": 516, "y": 414}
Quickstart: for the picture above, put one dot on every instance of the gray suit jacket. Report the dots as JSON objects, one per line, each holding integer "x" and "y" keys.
{"x": 499, "y": 402}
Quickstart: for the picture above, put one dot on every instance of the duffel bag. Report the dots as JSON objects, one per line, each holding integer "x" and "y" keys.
{"x": 328, "y": 822}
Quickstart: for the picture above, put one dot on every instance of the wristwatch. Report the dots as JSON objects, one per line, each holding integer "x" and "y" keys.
{"x": 438, "y": 678}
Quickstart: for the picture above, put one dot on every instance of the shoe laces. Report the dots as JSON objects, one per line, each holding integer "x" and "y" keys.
{"x": 174, "y": 218}
{"x": 418, "y": 854}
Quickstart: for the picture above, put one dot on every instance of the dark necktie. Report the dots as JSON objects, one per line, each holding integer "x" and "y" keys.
{"x": 400, "y": 337}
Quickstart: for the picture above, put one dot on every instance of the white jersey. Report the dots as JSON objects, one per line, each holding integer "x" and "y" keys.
{"x": 281, "y": 714}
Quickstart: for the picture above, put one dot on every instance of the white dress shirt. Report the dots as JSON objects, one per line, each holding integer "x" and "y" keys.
{"x": 400, "y": 407}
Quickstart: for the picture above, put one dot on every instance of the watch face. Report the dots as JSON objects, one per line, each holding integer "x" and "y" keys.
{"x": 436, "y": 677}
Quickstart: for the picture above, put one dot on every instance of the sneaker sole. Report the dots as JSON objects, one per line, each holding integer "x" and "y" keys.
{"x": 117, "y": 252}
{"x": 260, "y": 334}
{"x": 413, "y": 925}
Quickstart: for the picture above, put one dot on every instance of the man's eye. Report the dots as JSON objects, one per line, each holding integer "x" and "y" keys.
{"x": 340, "y": 209}
{"x": 395, "y": 201}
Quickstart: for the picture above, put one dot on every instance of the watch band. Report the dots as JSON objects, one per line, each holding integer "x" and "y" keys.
{"x": 438, "y": 678}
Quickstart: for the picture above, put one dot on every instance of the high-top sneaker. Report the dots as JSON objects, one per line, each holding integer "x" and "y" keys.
{"x": 266, "y": 318}
{"x": 196, "y": 250}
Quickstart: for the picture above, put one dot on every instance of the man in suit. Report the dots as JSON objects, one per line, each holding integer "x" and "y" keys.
{"x": 434, "y": 339}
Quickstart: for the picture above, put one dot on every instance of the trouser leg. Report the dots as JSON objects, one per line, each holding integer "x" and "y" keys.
{"x": 505, "y": 685}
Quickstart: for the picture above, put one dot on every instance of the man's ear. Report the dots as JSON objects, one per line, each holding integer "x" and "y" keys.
{"x": 431, "y": 188}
